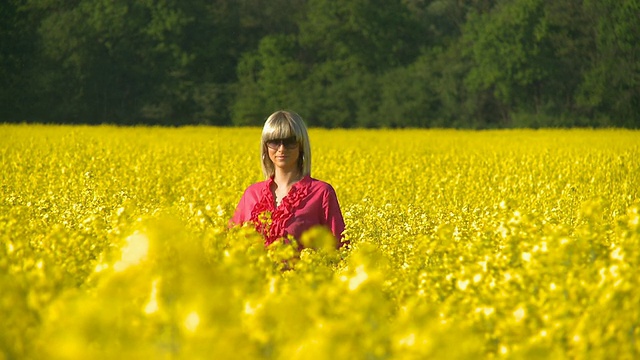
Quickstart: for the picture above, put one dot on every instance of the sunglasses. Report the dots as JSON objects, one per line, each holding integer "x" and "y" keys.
{"x": 289, "y": 143}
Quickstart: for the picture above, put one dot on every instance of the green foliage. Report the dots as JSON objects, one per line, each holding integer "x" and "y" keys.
{"x": 15, "y": 51}
{"x": 353, "y": 63}
{"x": 270, "y": 79}
{"x": 249, "y": 107}
{"x": 377, "y": 34}
{"x": 340, "y": 94}
{"x": 611, "y": 84}
{"x": 508, "y": 48}
{"x": 112, "y": 55}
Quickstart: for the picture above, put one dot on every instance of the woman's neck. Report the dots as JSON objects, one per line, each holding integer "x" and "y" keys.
{"x": 286, "y": 178}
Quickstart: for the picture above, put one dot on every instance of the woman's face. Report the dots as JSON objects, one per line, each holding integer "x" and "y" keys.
{"x": 284, "y": 153}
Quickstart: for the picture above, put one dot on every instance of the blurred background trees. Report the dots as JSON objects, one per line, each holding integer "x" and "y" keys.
{"x": 353, "y": 63}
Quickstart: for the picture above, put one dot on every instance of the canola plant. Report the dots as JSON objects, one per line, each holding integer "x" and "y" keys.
{"x": 114, "y": 243}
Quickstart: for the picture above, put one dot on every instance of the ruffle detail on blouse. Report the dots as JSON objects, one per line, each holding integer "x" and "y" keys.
{"x": 270, "y": 220}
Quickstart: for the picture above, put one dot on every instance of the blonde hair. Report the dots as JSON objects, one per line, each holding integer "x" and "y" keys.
{"x": 281, "y": 125}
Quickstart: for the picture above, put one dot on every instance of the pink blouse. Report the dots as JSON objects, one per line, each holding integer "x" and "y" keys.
{"x": 309, "y": 202}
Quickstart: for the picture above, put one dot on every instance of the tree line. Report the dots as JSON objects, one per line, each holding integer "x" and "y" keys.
{"x": 348, "y": 63}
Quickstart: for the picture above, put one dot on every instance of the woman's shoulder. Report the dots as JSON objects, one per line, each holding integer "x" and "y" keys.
{"x": 257, "y": 187}
{"x": 320, "y": 185}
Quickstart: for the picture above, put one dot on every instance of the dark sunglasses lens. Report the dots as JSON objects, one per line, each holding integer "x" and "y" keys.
{"x": 289, "y": 143}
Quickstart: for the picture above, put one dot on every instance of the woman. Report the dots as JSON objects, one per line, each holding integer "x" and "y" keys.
{"x": 289, "y": 201}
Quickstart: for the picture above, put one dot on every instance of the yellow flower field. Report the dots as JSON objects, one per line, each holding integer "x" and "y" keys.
{"x": 511, "y": 244}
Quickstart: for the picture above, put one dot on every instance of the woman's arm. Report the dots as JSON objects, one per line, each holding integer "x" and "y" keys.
{"x": 241, "y": 214}
{"x": 332, "y": 215}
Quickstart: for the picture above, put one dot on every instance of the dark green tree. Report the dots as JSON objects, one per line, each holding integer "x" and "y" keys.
{"x": 18, "y": 60}
{"x": 377, "y": 34}
{"x": 226, "y": 38}
{"x": 368, "y": 63}
{"x": 610, "y": 88}
{"x": 510, "y": 55}
{"x": 114, "y": 61}
{"x": 269, "y": 80}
